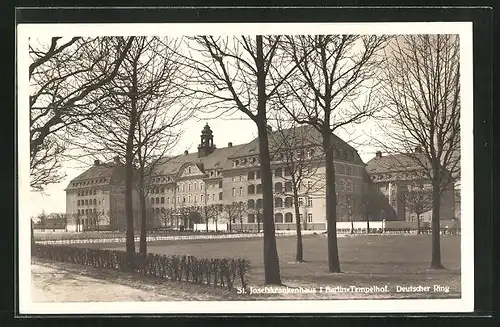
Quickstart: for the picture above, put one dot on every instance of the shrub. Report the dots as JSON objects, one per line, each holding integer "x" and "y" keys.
{"x": 178, "y": 268}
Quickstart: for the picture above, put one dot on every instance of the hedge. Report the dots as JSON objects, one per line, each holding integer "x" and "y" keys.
{"x": 224, "y": 272}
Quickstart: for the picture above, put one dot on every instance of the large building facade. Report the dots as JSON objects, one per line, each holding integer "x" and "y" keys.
{"x": 95, "y": 200}
{"x": 222, "y": 176}
{"x": 182, "y": 188}
{"x": 395, "y": 175}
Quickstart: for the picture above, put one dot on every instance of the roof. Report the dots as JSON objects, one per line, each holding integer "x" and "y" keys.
{"x": 313, "y": 136}
{"x": 393, "y": 163}
{"x": 110, "y": 171}
{"x": 218, "y": 159}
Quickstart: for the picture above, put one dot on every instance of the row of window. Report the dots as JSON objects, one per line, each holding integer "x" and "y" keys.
{"x": 87, "y": 192}
{"x": 87, "y": 202}
{"x": 188, "y": 199}
{"x": 413, "y": 175}
{"x": 279, "y": 217}
{"x": 91, "y": 182}
{"x": 86, "y": 211}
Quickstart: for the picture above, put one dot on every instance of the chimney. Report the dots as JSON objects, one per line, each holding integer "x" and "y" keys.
{"x": 378, "y": 154}
{"x": 96, "y": 162}
{"x": 186, "y": 152}
{"x": 117, "y": 159}
{"x": 230, "y": 145}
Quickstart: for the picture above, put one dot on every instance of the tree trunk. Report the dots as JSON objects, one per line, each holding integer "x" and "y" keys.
{"x": 258, "y": 222}
{"x": 436, "y": 233}
{"x": 331, "y": 204}
{"x": 418, "y": 225}
{"x": 367, "y": 223}
{"x": 33, "y": 243}
{"x": 144, "y": 230}
{"x": 230, "y": 225}
{"x": 299, "y": 253}
{"x": 129, "y": 176}
{"x": 351, "y": 218}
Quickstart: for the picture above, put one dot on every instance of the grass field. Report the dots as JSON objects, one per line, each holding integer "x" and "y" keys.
{"x": 366, "y": 261}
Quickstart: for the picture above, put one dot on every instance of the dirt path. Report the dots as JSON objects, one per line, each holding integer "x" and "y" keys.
{"x": 53, "y": 282}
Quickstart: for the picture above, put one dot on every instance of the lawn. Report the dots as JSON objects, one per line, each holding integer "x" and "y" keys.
{"x": 366, "y": 260}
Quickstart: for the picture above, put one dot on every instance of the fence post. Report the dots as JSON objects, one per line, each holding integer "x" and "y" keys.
{"x": 383, "y": 226}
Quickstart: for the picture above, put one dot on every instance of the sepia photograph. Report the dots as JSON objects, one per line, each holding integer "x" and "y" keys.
{"x": 245, "y": 168}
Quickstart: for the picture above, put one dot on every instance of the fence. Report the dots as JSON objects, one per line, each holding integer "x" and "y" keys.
{"x": 224, "y": 272}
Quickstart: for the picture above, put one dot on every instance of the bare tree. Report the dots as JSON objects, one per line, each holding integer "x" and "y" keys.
{"x": 63, "y": 74}
{"x": 334, "y": 89}
{"x": 294, "y": 150}
{"x": 233, "y": 211}
{"x": 422, "y": 94}
{"x": 239, "y": 73}
{"x": 143, "y": 111}
{"x": 418, "y": 200}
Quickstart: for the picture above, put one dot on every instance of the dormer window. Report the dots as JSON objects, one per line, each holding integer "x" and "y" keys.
{"x": 189, "y": 170}
{"x": 235, "y": 163}
{"x": 254, "y": 160}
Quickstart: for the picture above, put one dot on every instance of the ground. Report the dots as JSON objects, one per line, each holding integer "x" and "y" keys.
{"x": 366, "y": 261}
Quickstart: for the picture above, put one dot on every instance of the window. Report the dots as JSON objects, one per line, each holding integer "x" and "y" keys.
{"x": 86, "y": 202}
{"x": 195, "y": 198}
{"x": 301, "y": 217}
{"x": 162, "y": 190}
{"x": 288, "y": 187}
{"x": 201, "y": 197}
{"x": 341, "y": 169}
{"x": 78, "y": 202}
{"x": 189, "y": 187}
{"x": 220, "y": 184}
{"x": 152, "y": 201}
{"x": 168, "y": 200}
{"x": 78, "y": 194}
{"x": 278, "y": 217}
{"x": 251, "y": 218}
{"x": 309, "y": 202}
{"x": 157, "y": 200}
{"x": 234, "y": 192}
{"x": 278, "y": 202}
{"x": 189, "y": 198}
{"x": 251, "y": 204}
{"x": 94, "y": 201}
{"x": 288, "y": 202}
{"x": 183, "y": 199}
{"x": 195, "y": 186}
{"x": 183, "y": 187}
{"x": 349, "y": 186}
{"x": 213, "y": 197}
{"x": 162, "y": 200}
{"x": 220, "y": 196}
{"x": 342, "y": 185}
{"x": 232, "y": 179}
{"x": 259, "y": 189}
{"x": 241, "y": 191}
{"x": 348, "y": 170}
{"x": 288, "y": 217}
{"x": 235, "y": 163}
{"x": 309, "y": 217}
{"x": 257, "y": 174}
{"x": 309, "y": 185}
{"x": 78, "y": 212}
{"x": 278, "y": 187}
{"x": 301, "y": 202}
{"x": 258, "y": 204}
{"x": 94, "y": 192}
{"x": 241, "y": 178}
{"x": 251, "y": 175}
{"x": 178, "y": 199}
{"x": 287, "y": 171}
{"x": 201, "y": 186}
{"x": 278, "y": 172}
{"x": 251, "y": 189}
{"x": 189, "y": 170}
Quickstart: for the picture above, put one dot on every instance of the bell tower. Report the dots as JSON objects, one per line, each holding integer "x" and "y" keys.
{"x": 207, "y": 142}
